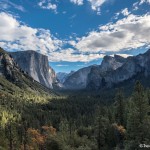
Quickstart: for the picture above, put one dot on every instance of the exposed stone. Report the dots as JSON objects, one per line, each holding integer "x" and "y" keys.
{"x": 36, "y": 65}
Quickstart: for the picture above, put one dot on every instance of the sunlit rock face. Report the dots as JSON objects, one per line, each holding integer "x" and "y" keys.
{"x": 36, "y": 65}
{"x": 110, "y": 63}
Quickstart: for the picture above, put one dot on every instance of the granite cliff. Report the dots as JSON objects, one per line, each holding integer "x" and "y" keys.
{"x": 11, "y": 73}
{"x": 36, "y": 65}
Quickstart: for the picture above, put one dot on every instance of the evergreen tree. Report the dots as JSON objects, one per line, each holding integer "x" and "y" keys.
{"x": 120, "y": 108}
{"x": 138, "y": 122}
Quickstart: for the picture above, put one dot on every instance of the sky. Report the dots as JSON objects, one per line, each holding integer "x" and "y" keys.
{"x": 75, "y": 33}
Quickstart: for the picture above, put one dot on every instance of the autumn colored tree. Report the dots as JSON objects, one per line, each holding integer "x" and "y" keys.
{"x": 36, "y": 139}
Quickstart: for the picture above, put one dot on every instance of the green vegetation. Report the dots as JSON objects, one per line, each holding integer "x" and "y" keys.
{"x": 33, "y": 120}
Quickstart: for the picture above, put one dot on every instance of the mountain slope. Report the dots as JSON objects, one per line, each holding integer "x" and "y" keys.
{"x": 112, "y": 71}
{"x": 36, "y": 65}
{"x": 78, "y": 80}
{"x": 10, "y": 73}
{"x": 62, "y": 76}
{"x": 91, "y": 76}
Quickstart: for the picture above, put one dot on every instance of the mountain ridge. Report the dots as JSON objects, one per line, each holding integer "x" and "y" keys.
{"x": 112, "y": 71}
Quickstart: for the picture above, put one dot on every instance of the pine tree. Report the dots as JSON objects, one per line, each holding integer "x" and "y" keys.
{"x": 101, "y": 127}
{"x": 120, "y": 108}
{"x": 100, "y": 133}
{"x": 137, "y": 122}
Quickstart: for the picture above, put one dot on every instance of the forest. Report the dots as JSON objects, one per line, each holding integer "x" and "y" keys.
{"x": 31, "y": 121}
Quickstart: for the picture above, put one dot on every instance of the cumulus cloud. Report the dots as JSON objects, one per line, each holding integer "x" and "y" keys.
{"x": 17, "y": 36}
{"x": 70, "y": 55}
{"x": 78, "y": 2}
{"x": 47, "y": 4}
{"x": 131, "y": 32}
{"x": 128, "y": 33}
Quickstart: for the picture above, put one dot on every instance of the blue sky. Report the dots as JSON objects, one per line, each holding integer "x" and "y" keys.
{"x": 75, "y": 33}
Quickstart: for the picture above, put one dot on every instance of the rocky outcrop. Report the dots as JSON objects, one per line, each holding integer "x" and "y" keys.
{"x": 36, "y": 65}
{"x": 110, "y": 63}
{"x": 8, "y": 67}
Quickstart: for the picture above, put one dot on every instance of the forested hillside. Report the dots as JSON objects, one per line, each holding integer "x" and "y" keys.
{"x": 31, "y": 121}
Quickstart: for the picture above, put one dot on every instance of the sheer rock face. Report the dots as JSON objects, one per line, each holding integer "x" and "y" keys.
{"x": 113, "y": 70}
{"x": 78, "y": 79}
{"x": 36, "y": 65}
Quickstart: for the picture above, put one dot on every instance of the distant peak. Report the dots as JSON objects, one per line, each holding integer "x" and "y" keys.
{"x": 107, "y": 57}
{"x": 117, "y": 56}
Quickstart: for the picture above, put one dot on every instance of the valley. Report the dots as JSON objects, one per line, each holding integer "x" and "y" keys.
{"x": 74, "y": 75}
{"x": 36, "y": 117}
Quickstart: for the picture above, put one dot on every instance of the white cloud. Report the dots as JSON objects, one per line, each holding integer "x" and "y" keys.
{"x": 18, "y": 36}
{"x": 6, "y": 4}
{"x": 73, "y": 43}
{"x": 78, "y": 2}
{"x": 47, "y": 4}
{"x": 95, "y": 4}
{"x": 137, "y": 4}
{"x": 15, "y": 35}
{"x": 70, "y": 56}
{"x": 128, "y": 33}
{"x": 144, "y": 1}
{"x": 61, "y": 65}
{"x": 125, "y": 12}
{"x": 123, "y": 55}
